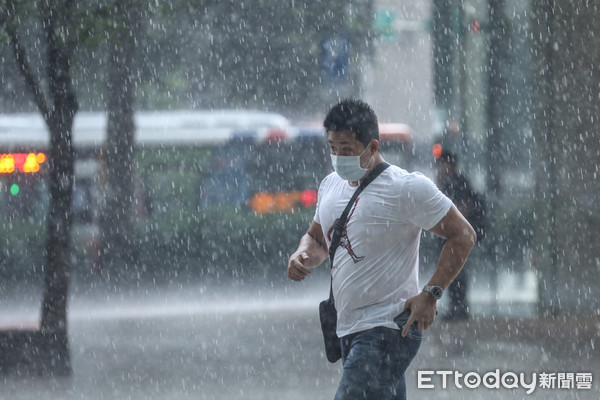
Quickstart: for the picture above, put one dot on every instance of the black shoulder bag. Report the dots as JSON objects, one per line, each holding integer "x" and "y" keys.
{"x": 327, "y": 311}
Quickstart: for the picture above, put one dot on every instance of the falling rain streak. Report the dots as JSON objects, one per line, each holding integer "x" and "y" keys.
{"x": 160, "y": 160}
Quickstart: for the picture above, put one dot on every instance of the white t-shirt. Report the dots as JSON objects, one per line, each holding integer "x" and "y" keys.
{"x": 376, "y": 266}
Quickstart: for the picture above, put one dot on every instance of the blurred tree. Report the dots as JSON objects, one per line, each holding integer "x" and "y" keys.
{"x": 499, "y": 80}
{"x": 216, "y": 54}
{"x": 123, "y": 27}
{"x": 444, "y": 41}
{"x": 53, "y": 90}
{"x": 271, "y": 53}
{"x": 566, "y": 50}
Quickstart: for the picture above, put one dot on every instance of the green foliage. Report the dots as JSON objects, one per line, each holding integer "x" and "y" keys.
{"x": 216, "y": 243}
{"x": 222, "y": 243}
{"x": 200, "y": 54}
{"x": 21, "y": 249}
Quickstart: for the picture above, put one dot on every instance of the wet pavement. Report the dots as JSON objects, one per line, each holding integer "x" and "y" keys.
{"x": 266, "y": 344}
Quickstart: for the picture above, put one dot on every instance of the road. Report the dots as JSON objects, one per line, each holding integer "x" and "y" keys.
{"x": 198, "y": 343}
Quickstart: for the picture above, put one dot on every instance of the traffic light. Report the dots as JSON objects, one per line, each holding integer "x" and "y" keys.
{"x": 22, "y": 162}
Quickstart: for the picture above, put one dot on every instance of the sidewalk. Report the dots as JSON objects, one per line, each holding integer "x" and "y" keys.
{"x": 269, "y": 347}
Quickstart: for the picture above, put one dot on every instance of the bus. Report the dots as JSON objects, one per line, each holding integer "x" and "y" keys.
{"x": 212, "y": 188}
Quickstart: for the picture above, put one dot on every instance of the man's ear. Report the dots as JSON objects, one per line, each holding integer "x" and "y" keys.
{"x": 374, "y": 146}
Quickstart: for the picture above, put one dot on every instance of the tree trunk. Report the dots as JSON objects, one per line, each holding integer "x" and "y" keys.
{"x": 118, "y": 254}
{"x": 566, "y": 43}
{"x": 49, "y": 346}
{"x": 498, "y": 84}
{"x": 59, "y": 119}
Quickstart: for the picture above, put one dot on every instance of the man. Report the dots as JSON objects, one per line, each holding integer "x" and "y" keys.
{"x": 458, "y": 189}
{"x": 384, "y": 231}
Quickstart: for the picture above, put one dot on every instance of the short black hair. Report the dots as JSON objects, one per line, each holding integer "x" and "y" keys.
{"x": 355, "y": 116}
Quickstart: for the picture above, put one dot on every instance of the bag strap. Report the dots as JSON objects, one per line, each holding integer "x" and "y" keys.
{"x": 339, "y": 226}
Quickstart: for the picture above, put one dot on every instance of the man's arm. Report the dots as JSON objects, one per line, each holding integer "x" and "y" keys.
{"x": 312, "y": 251}
{"x": 460, "y": 239}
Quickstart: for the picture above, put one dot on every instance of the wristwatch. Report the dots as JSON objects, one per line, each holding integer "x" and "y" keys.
{"x": 435, "y": 291}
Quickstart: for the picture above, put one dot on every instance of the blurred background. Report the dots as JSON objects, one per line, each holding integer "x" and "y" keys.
{"x": 159, "y": 162}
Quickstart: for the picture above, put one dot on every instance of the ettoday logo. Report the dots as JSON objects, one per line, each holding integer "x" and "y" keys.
{"x": 472, "y": 380}
{"x": 507, "y": 380}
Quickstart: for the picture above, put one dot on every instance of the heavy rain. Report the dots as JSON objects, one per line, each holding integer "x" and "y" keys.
{"x": 160, "y": 161}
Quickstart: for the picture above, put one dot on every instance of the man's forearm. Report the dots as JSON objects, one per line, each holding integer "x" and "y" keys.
{"x": 316, "y": 251}
{"x": 453, "y": 256}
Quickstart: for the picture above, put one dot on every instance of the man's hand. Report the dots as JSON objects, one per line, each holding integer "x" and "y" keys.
{"x": 422, "y": 309}
{"x": 297, "y": 269}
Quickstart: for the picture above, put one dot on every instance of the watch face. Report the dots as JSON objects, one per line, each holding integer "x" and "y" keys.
{"x": 435, "y": 291}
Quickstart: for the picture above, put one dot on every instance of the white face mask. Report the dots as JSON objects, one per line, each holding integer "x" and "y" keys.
{"x": 348, "y": 167}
